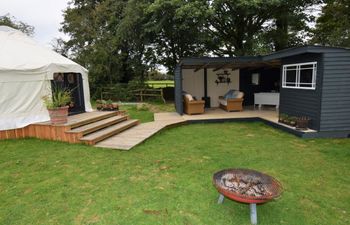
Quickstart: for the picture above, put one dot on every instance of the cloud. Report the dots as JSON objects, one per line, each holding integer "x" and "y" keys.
{"x": 44, "y": 15}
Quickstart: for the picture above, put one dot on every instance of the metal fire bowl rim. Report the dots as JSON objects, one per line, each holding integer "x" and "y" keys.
{"x": 245, "y": 198}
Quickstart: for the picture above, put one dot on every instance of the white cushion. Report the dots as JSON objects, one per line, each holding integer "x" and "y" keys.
{"x": 189, "y": 97}
{"x": 223, "y": 102}
{"x": 240, "y": 95}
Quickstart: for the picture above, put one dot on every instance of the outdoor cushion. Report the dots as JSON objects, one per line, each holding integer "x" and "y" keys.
{"x": 240, "y": 95}
{"x": 232, "y": 94}
{"x": 189, "y": 97}
{"x": 228, "y": 94}
{"x": 222, "y": 101}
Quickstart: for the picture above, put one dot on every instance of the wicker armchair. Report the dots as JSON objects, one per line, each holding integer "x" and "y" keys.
{"x": 193, "y": 106}
{"x": 233, "y": 104}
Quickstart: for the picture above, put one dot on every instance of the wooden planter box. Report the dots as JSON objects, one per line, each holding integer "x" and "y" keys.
{"x": 303, "y": 123}
{"x": 107, "y": 107}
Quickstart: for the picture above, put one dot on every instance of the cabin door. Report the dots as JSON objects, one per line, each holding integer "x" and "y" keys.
{"x": 74, "y": 83}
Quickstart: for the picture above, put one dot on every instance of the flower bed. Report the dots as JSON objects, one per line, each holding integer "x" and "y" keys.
{"x": 106, "y": 105}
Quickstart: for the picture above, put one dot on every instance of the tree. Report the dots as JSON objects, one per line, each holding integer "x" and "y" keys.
{"x": 333, "y": 26}
{"x": 59, "y": 46}
{"x": 177, "y": 28}
{"x": 8, "y": 20}
{"x": 234, "y": 25}
{"x": 290, "y": 23}
{"x": 249, "y": 27}
{"x": 108, "y": 38}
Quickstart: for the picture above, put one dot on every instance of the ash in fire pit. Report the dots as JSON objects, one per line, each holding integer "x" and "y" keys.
{"x": 244, "y": 185}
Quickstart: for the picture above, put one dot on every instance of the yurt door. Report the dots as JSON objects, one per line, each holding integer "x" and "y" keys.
{"x": 74, "y": 83}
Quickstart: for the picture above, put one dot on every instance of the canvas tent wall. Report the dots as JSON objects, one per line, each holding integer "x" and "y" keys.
{"x": 26, "y": 71}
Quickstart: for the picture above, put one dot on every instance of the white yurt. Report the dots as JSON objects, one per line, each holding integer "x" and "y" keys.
{"x": 27, "y": 71}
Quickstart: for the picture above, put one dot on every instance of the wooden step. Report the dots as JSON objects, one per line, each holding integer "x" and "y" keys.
{"x": 100, "y": 135}
{"x": 98, "y": 125}
{"x": 86, "y": 118}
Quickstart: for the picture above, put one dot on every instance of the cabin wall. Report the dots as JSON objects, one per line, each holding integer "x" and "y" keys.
{"x": 301, "y": 102}
{"x": 335, "y": 111}
{"x": 193, "y": 83}
{"x": 269, "y": 82}
{"x": 216, "y": 90}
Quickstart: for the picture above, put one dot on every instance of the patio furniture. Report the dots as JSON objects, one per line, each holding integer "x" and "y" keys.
{"x": 192, "y": 106}
{"x": 232, "y": 101}
{"x": 267, "y": 98}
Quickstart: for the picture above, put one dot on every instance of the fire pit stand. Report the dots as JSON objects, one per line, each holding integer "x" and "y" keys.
{"x": 252, "y": 206}
{"x": 246, "y": 186}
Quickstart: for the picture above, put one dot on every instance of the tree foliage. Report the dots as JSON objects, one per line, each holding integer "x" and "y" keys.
{"x": 177, "y": 29}
{"x": 8, "y": 20}
{"x": 289, "y": 27}
{"x": 333, "y": 26}
{"x": 122, "y": 40}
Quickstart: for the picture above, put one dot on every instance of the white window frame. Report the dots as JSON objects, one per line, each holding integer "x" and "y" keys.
{"x": 297, "y": 71}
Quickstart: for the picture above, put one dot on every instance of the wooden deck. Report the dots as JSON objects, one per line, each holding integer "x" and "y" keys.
{"x": 86, "y": 128}
{"x": 81, "y": 119}
{"x": 110, "y": 130}
{"x": 136, "y": 135}
{"x": 216, "y": 113}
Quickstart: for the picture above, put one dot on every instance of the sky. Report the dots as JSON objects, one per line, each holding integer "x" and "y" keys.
{"x": 44, "y": 15}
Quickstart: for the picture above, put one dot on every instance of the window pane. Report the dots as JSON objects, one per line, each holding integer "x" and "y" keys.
{"x": 306, "y": 77}
{"x": 291, "y": 67}
{"x": 307, "y": 66}
{"x": 291, "y": 78}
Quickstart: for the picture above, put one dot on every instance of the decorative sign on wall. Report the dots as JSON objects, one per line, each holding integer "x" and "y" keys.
{"x": 255, "y": 78}
{"x": 223, "y": 78}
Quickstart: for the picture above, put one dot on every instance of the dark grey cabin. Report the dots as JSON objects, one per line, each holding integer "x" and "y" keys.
{"x": 312, "y": 81}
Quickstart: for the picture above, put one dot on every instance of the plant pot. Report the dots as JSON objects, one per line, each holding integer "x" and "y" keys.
{"x": 59, "y": 115}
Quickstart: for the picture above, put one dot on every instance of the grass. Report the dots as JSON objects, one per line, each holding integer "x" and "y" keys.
{"x": 144, "y": 112}
{"x": 160, "y": 83}
{"x": 167, "y": 180}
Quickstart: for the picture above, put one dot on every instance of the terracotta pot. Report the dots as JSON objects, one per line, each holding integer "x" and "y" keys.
{"x": 59, "y": 115}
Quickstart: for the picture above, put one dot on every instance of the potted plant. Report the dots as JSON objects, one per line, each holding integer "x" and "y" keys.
{"x": 108, "y": 105}
{"x": 302, "y": 122}
{"x": 57, "y": 104}
{"x": 284, "y": 118}
{"x": 293, "y": 121}
{"x": 100, "y": 104}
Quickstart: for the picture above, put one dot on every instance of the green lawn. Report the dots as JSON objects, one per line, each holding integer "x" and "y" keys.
{"x": 160, "y": 83}
{"x": 144, "y": 112}
{"x": 167, "y": 180}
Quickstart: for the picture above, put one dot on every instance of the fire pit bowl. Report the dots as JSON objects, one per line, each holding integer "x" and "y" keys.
{"x": 247, "y": 186}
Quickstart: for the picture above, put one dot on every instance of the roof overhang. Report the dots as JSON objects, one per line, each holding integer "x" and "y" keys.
{"x": 227, "y": 63}
{"x": 251, "y": 62}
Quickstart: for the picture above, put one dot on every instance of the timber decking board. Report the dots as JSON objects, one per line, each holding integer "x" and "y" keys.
{"x": 136, "y": 135}
{"x": 97, "y": 136}
{"x": 91, "y": 127}
{"x": 48, "y": 131}
{"x": 83, "y": 119}
{"x": 130, "y": 138}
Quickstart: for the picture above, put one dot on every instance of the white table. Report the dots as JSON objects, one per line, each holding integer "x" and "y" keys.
{"x": 267, "y": 98}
